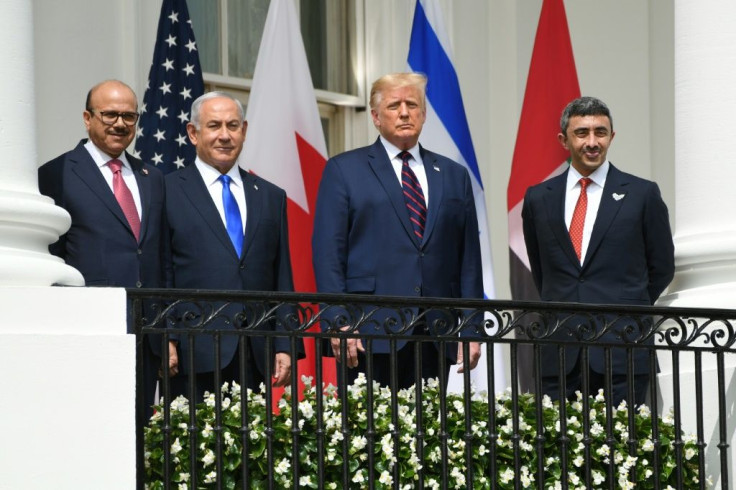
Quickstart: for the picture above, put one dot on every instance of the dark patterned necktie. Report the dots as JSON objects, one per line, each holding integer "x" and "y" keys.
{"x": 413, "y": 196}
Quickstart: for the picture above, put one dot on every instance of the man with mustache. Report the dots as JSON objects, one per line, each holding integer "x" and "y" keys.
{"x": 396, "y": 219}
{"x": 116, "y": 203}
{"x": 596, "y": 235}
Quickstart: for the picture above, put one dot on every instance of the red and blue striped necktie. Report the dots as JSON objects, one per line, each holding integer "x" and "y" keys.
{"x": 413, "y": 196}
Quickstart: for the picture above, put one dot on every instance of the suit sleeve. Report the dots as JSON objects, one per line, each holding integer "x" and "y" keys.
{"x": 330, "y": 232}
{"x": 472, "y": 265}
{"x": 530, "y": 239}
{"x": 285, "y": 282}
{"x": 660, "y": 249}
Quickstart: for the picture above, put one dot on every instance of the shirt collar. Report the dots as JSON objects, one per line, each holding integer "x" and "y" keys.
{"x": 101, "y": 158}
{"x": 210, "y": 174}
{"x": 598, "y": 176}
{"x": 393, "y": 150}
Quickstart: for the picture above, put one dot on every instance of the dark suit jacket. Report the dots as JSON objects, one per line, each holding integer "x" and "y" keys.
{"x": 363, "y": 241}
{"x": 630, "y": 258}
{"x": 203, "y": 257}
{"x": 100, "y": 243}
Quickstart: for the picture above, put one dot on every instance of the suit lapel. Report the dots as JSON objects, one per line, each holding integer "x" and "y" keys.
{"x": 254, "y": 204}
{"x": 144, "y": 190}
{"x": 608, "y": 209}
{"x": 195, "y": 190}
{"x": 555, "y": 204}
{"x": 435, "y": 182}
{"x": 86, "y": 169}
{"x": 384, "y": 171}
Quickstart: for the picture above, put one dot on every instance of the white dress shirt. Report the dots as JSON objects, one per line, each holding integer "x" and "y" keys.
{"x": 594, "y": 191}
{"x": 415, "y": 164}
{"x": 210, "y": 175}
{"x": 101, "y": 158}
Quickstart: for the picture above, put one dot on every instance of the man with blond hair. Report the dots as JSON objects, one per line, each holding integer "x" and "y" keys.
{"x": 393, "y": 218}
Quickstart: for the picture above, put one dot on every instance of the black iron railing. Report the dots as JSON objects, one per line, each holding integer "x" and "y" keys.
{"x": 426, "y": 437}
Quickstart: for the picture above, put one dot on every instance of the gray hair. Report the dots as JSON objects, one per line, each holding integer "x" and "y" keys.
{"x": 584, "y": 106}
{"x": 197, "y": 105}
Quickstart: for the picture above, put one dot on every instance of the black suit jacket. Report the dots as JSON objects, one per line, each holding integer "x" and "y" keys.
{"x": 100, "y": 243}
{"x": 203, "y": 257}
{"x": 629, "y": 260}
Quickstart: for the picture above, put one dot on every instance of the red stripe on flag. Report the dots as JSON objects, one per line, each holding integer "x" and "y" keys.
{"x": 300, "y": 246}
{"x": 551, "y": 85}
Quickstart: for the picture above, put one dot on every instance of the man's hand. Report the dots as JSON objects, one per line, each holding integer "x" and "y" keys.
{"x": 173, "y": 361}
{"x": 282, "y": 369}
{"x": 352, "y": 347}
{"x": 473, "y": 352}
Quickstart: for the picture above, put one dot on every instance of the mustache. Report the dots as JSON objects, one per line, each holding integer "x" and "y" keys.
{"x": 119, "y": 131}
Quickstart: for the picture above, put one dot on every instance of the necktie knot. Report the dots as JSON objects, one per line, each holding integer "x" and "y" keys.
{"x": 405, "y": 157}
{"x": 115, "y": 165}
{"x": 584, "y": 182}
{"x": 225, "y": 179}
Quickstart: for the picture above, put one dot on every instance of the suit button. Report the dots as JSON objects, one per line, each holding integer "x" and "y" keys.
{"x": 421, "y": 254}
{"x": 242, "y": 266}
{"x": 138, "y": 284}
{"x": 582, "y": 279}
{"x": 417, "y": 289}
{"x": 140, "y": 252}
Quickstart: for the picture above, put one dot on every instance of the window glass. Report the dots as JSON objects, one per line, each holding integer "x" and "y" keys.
{"x": 205, "y": 17}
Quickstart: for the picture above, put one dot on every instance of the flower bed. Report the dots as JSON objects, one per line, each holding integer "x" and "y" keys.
{"x": 625, "y": 467}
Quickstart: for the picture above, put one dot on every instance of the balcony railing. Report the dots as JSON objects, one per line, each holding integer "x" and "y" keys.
{"x": 426, "y": 437}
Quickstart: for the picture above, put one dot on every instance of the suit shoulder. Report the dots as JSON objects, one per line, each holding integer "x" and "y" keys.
{"x": 350, "y": 156}
{"x": 262, "y": 184}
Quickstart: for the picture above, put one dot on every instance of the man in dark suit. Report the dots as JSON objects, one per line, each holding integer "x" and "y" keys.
{"x": 228, "y": 231}
{"x": 396, "y": 219}
{"x": 117, "y": 226}
{"x": 603, "y": 240}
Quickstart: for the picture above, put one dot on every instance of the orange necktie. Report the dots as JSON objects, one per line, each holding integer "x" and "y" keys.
{"x": 578, "y": 217}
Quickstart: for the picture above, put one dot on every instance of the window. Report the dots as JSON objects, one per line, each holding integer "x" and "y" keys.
{"x": 229, "y": 32}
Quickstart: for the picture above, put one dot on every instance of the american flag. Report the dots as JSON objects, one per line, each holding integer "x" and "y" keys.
{"x": 174, "y": 81}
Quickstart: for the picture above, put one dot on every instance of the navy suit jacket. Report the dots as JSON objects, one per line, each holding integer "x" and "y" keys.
{"x": 100, "y": 243}
{"x": 629, "y": 260}
{"x": 363, "y": 241}
{"x": 203, "y": 257}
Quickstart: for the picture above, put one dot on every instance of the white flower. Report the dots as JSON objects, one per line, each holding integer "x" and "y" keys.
{"x": 283, "y": 467}
{"x": 305, "y": 480}
{"x": 306, "y": 409}
{"x": 603, "y": 450}
{"x": 359, "y": 442}
{"x": 208, "y": 458}
{"x": 210, "y": 477}
{"x": 689, "y": 453}
{"x": 359, "y": 477}
{"x": 386, "y": 478}
{"x": 458, "y": 476}
{"x": 647, "y": 445}
{"x": 182, "y": 486}
{"x": 578, "y": 461}
{"x": 507, "y": 475}
{"x": 598, "y": 477}
{"x": 176, "y": 446}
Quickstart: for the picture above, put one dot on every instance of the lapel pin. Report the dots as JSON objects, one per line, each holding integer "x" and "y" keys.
{"x": 255, "y": 186}
{"x": 618, "y": 197}
{"x": 436, "y": 168}
{"x": 145, "y": 171}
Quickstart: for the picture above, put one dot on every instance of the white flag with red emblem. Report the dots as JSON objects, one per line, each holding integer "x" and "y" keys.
{"x": 285, "y": 143}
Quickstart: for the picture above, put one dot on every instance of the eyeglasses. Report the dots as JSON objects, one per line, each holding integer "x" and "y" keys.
{"x": 111, "y": 117}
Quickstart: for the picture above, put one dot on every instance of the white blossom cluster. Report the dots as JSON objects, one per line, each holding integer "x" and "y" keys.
{"x": 458, "y": 447}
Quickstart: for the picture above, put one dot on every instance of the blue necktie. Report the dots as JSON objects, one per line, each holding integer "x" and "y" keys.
{"x": 413, "y": 196}
{"x": 232, "y": 215}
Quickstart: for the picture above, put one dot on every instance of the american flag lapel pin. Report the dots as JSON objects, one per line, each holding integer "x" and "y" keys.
{"x": 145, "y": 171}
{"x": 436, "y": 168}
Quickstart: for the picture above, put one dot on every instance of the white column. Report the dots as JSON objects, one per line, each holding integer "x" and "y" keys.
{"x": 29, "y": 222}
{"x": 705, "y": 177}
